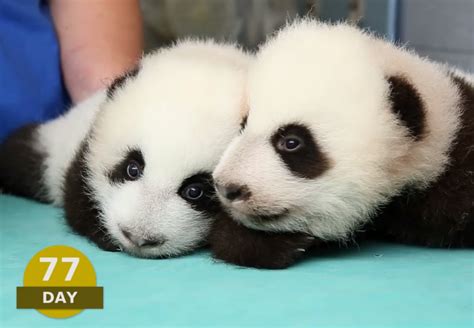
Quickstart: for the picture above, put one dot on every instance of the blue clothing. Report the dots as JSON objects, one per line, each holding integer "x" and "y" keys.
{"x": 31, "y": 85}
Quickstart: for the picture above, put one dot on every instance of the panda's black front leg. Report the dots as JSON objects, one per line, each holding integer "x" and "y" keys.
{"x": 234, "y": 243}
{"x": 22, "y": 164}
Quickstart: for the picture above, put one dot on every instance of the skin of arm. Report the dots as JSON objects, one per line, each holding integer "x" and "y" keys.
{"x": 98, "y": 40}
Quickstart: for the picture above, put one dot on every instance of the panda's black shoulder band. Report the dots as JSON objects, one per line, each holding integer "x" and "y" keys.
{"x": 22, "y": 164}
{"x": 81, "y": 209}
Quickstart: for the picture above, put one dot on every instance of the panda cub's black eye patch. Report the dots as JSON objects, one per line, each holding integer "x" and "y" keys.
{"x": 198, "y": 190}
{"x": 130, "y": 168}
{"x": 297, "y": 147}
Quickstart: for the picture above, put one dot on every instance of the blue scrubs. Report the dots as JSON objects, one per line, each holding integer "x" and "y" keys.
{"x": 31, "y": 85}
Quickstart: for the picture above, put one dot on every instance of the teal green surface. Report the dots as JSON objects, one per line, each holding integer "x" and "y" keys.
{"x": 373, "y": 286}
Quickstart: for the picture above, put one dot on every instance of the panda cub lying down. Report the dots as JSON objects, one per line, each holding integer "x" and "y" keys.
{"x": 346, "y": 132}
{"x": 132, "y": 165}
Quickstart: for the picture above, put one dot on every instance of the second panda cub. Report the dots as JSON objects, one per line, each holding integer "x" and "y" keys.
{"x": 132, "y": 165}
{"x": 346, "y": 131}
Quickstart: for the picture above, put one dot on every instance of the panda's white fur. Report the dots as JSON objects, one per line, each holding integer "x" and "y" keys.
{"x": 333, "y": 79}
{"x": 180, "y": 110}
{"x": 59, "y": 140}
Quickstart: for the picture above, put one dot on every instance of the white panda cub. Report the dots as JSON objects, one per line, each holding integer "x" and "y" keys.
{"x": 140, "y": 178}
{"x": 346, "y": 129}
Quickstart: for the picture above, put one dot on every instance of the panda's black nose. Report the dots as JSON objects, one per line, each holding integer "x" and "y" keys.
{"x": 143, "y": 242}
{"x": 233, "y": 192}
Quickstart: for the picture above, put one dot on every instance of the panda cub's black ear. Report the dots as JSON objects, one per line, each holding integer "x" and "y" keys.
{"x": 243, "y": 123}
{"x": 407, "y": 105}
{"x": 120, "y": 81}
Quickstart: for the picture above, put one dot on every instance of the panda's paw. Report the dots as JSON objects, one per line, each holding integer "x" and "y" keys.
{"x": 234, "y": 243}
{"x": 282, "y": 249}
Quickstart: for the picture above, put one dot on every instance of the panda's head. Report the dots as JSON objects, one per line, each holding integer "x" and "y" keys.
{"x": 335, "y": 127}
{"x": 142, "y": 179}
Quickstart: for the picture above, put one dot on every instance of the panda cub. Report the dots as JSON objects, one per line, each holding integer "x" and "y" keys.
{"x": 132, "y": 165}
{"x": 346, "y": 132}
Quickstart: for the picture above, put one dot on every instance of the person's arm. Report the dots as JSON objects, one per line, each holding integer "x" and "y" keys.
{"x": 99, "y": 40}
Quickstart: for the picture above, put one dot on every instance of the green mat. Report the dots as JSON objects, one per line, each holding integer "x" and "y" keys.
{"x": 373, "y": 286}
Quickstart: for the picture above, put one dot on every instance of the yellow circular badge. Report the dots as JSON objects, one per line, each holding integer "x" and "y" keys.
{"x": 59, "y": 281}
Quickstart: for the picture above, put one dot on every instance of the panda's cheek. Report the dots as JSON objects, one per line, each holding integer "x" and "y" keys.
{"x": 123, "y": 203}
{"x": 182, "y": 225}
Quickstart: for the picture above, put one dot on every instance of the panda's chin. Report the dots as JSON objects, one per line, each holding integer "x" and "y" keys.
{"x": 145, "y": 252}
{"x": 125, "y": 246}
{"x": 269, "y": 217}
{"x": 108, "y": 246}
{"x": 259, "y": 221}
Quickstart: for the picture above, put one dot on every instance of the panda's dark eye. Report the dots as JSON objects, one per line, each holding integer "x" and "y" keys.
{"x": 134, "y": 170}
{"x": 194, "y": 191}
{"x": 290, "y": 143}
{"x": 198, "y": 192}
{"x": 130, "y": 168}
